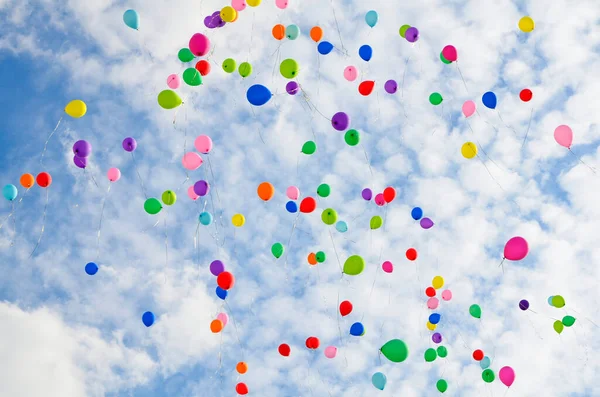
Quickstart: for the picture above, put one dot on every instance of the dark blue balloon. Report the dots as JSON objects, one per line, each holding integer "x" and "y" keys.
{"x": 91, "y": 268}
{"x": 489, "y": 100}
{"x": 357, "y": 329}
{"x": 221, "y": 293}
{"x": 365, "y": 52}
{"x": 434, "y": 318}
{"x": 148, "y": 319}
{"x": 324, "y": 47}
{"x": 416, "y": 213}
{"x": 258, "y": 95}
{"x": 292, "y": 207}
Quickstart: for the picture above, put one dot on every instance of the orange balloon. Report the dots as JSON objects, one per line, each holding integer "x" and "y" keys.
{"x": 216, "y": 326}
{"x": 316, "y": 33}
{"x": 241, "y": 367}
{"x": 312, "y": 258}
{"x": 27, "y": 180}
{"x": 278, "y": 31}
{"x": 265, "y": 191}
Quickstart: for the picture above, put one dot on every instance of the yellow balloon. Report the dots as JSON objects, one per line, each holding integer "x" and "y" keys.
{"x": 469, "y": 150}
{"x": 76, "y": 108}
{"x": 438, "y": 282}
{"x": 238, "y": 220}
{"x": 526, "y": 24}
{"x": 253, "y": 3}
{"x": 228, "y": 14}
{"x": 431, "y": 327}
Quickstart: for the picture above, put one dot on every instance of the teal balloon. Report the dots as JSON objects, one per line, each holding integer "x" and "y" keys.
{"x": 371, "y": 19}
{"x": 550, "y": 300}
{"x": 131, "y": 19}
{"x": 292, "y": 32}
{"x": 10, "y": 192}
{"x": 379, "y": 380}
{"x": 341, "y": 227}
{"x": 205, "y": 218}
{"x": 485, "y": 362}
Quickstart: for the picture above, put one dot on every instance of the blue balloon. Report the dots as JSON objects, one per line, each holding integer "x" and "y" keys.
{"x": 485, "y": 362}
{"x": 324, "y": 47}
{"x": 148, "y": 319}
{"x": 365, "y": 52}
{"x": 434, "y": 318}
{"x": 91, "y": 268}
{"x": 341, "y": 227}
{"x": 292, "y": 207}
{"x": 371, "y": 19}
{"x": 357, "y": 329}
{"x": 550, "y": 300}
{"x": 10, "y": 192}
{"x": 131, "y": 19}
{"x": 489, "y": 100}
{"x": 416, "y": 213}
{"x": 205, "y": 218}
{"x": 379, "y": 380}
{"x": 221, "y": 293}
{"x": 258, "y": 95}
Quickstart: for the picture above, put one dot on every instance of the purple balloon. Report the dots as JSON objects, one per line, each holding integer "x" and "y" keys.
{"x": 340, "y": 121}
{"x": 367, "y": 194}
{"x": 391, "y": 86}
{"x": 201, "y": 188}
{"x": 292, "y": 88}
{"x": 412, "y": 34}
{"x": 523, "y": 304}
{"x": 208, "y": 22}
{"x": 82, "y": 148}
{"x": 80, "y": 162}
{"x": 129, "y": 144}
{"x": 437, "y": 337}
{"x": 217, "y": 267}
{"x": 426, "y": 223}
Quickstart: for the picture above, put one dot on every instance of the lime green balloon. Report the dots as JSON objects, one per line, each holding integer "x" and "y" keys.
{"x": 435, "y": 98}
{"x": 324, "y": 190}
{"x": 430, "y": 355}
{"x": 192, "y": 77}
{"x": 403, "y": 30}
{"x": 169, "y": 197}
{"x": 395, "y": 350}
{"x": 229, "y": 65}
{"x": 185, "y": 55}
{"x": 558, "y": 326}
{"x": 352, "y": 137}
{"x": 442, "y": 351}
{"x": 568, "y": 321}
{"x": 558, "y": 301}
{"x": 245, "y": 69}
{"x": 277, "y": 250}
{"x": 441, "y": 385}
{"x": 289, "y": 68}
{"x": 169, "y": 99}
{"x": 309, "y": 147}
{"x": 475, "y": 311}
{"x": 354, "y": 265}
{"x": 329, "y": 216}
{"x": 321, "y": 257}
{"x": 152, "y": 206}
{"x": 488, "y": 375}
{"x": 443, "y": 59}
{"x": 376, "y": 222}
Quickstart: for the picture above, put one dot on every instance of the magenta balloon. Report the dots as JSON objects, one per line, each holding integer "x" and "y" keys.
{"x": 426, "y": 223}
{"x": 507, "y": 376}
{"x": 516, "y": 249}
{"x": 199, "y": 44}
{"x": 412, "y": 34}
{"x": 292, "y": 88}
{"x": 80, "y": 162}
{"x": 449, "y": 52}
{"x": 201, "y": 188}
{"x": 129, "y": 144}
{"x": 82, "y": 148}
{"x": 340, "y": 121}
{"x": 367, "y": 194}
{"x": 391, "y": 86}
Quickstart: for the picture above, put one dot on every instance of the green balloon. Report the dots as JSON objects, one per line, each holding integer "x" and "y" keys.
{"x": 435, "y": 98}
{"x": 354, "y": 265}
{"x": 152, "y": 206}
{"x": 309, "y": 147}
{"x": 567, "y": 321}
{"x": 442, "y": 351}
{"x": 475, "y": 311}
{"x": 324, "y": 190}
{"x": 329, "y": 216}
{"x": 441, "y": 385}
{"x": 169, "y": 99}
{"x": 277, "y": 250}
{"x": 488, "y": 376}
{"x": 192, "y": 77}
{"x": 376, "y": 222}
{"x": 403, "y": 30}
{"x": 352, "y": 137}
{"x": 321, "y": 257}
{"x": 443, "y": 59}
{"x": 185, "y": 55}
{"x": 229, "y": 65}
{"x": 289, "y": 68}
{"x": 292, "y": 32}
{"x": 245, "y": 69}
{"x": 558, "y": 327}
{"x": 430, "y": 355}
{"x": 558, "y": 301}
{"x": 169, "y": 197}
{"x": 395, "y": 350}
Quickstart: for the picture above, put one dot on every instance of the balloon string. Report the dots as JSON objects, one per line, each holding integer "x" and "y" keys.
{"x": 373, "y": 285}
{"x": 236, "y": 330}
{"x": 43, "y": 225}
{"x": 48, "y": 140}
{"x": 12, "y": 241}
{"x": 336, "y": 253}
{"x": 337, "y": 27}
{"x": 582, "y": 162}
{"x": 461, "y": 77}
{"x": 404, "y": 77}
{"x": 166, "y": 247}
{"x": 528, "y": 126}
{"x": 506, "y": 125}
{"x": 15, "y": 208}
{"x": 212, "y": 203}
{"x": 100, "y": 222}
{"x": 485, "y": 153}
{"x": 139, "y": 176}
{"x": 196, "y": 246}
{"x": 91, "y": 177}
{"x": 289, "y": 245}
{"x": 367, "y": 160}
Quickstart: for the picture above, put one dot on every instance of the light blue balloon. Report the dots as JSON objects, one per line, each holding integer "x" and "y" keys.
{"x": 205, "y": 218}
{"x": 365, "y": 52}
{"x": 10, "y": 192}
{"x": 371, "y": 18}
{"x": 324, "y": 47}
{"x": 131, "y": 19}
{"x": 341, "y": 227}
{"x": 485, "y": 363}
{"x": 379, "y": 380}
{"x": 550, "y": 300}
{"x": 258, "y": 95}
{"x": 292, "y": 32}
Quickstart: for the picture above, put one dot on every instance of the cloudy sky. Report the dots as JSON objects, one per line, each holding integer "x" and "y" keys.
{"x": 68, "y": 334}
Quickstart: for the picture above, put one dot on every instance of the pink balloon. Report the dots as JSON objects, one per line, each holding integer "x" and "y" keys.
{"x": 192, "y": 194}
{"x": 516, "y": 249}
{"x": 507, "y": 375}
{"x": 238, "y": 5}
{"x": 379, "y": 200}
{"x": 224, "y": 318}
{"x": 387, "y": 266}
{"x": 433, "y": 303}
{"x": 564, "y": 136}
{"x": 447, "y": 295}
{"x": 330, "y": 351}
{"x": 191, "y": 161}
{"x": 114, "y": 174}
{"x": 350, "y": 73}
{"x": 281, "y": 4}
{"x": 173, "y": 81}
{"x": 292, "y": 192}
{"x": 203, "y": 144}
{"x": 199, "y": 44}
{"x": 449, "y": 52}
{"x": 468, "y": 108}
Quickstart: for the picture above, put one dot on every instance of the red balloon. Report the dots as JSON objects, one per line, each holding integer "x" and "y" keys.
{"x": 241, "y": 388}
{"x": 308, "y": 205}
{"x": 312, "y": 342}
{"x": 43, "y": 179}
{"x": 203, "y": 66}
{"x": 389, "y": 194}
{"x": 345, "y": 308}
{"x": 478, "y": 355}
{"x": 284, "y": 349}
{"x": 309, "y": 342}
{"x": 366, "y": 87}
{"x": 225, "y": 280}
{"x": 430, "y": 292}
{"x": 411, "y": 254}
{"x": 526, "y": 95}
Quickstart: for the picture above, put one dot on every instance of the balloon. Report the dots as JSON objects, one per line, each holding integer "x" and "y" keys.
{"x": 238, "y": 5}
{"x": 191, "y": 161}
{"x": 173, "y": 81}
{"x": 436, "y": 338}
{"x": 253, "y": 3}
{"x": 228, "y": 14}
{"x": 485, "y": 362}
{"x": 340, "y": 121}
{"x": 441, "y": 385}
{"x": 205, "y": 218}
{"x": 277, "y": 250}
{"x": 169, "y": 99}
{"x": 478, "y": 355}
{"x": 430, "y": 291}
{"x": 292, "y": 32}
{"x": 426, "y": 223}
{"x": 238, "y": 220}
{"x": 258, "y": 95}
{"x": 468, "y": 108}
{"x": 278, "y": 31}
{"x": 354, "y": 265}
{"x": 395, "y": 350}
{"x": 76, "y": 108}
{"x": 241, "y": 367}
{"x": 131, "y": 19}
{"x": 563, "y": 134}
{"x": 526, "y": 95}
{"x": 148, "y": 319}
{"x": 113, "y": 174}
{"x": 376, "y": 222}
{"x": 430, "y": 326}
{"x": 449, "y": 52}
{"x": 526, "y": 24}
{"x": 224, "y": 318}
{"x": 390, "y": 86}
{"x": 523, "y": 304}
{"x": 389, "y": 194}
{"x": 308, "y": 205}
{"x": 341, "y": 227}
{"x": 292, "y": 193}
{"x": 316, "y": 33}
{"x": 416, "y": 213}
{"x": 365, "y": 88}
{"x": 387, "y": 266}
{"x": 558, "y": 301}
{"x": 442, "y": 351}
{"x": 434, "y": 318}
{"x": 329, "y": 216}
{"x": 312, "y": 259}
{"x": 437, "y": 282}
{"x": 475, "y": 311}
{"x": 345, "y": 308}
{"x": 309, "y": 147}
{"x": 229, "y": 65}
{"x": 221, "y": 293}
{"x": 330, "y": 351}
{"x": 568, "y": 321}
{"x": 412, "y": 34}
{"x": 43, "y": 179}
{"x": 203, "y": 66}
{"x": 312, "y": 342}
{"x": 371, "y": 18}
{"x": 169, "y": 197}
{"x": 435, "y": 98}
{"x": 284, "y": 349}
{"x": 367, "y": 194}
{"x": 507, "y": 375}
{"x": 91, "y": 268}
{"x": 350, "y": 73}
{"x": 378, "y": 379}
{"x": 192, "y": 77}
{"x": 357, "y": 329}
{"x": 27, "y": 181}
{"x": 245, "y": 69}
{"x": 379, "y": 200}
{"x": 199, "y": 44}
{"x": 447, "y": 295}
{"x": 550, "y": 300}
{"x": 468, "y": 150}
{"x": 82, "y": 148}
{"x": 152, "y": 206}
{"x": 203, "y": 144}
{"x": 489, "y": 100}
{"x": 403, "y": 30}
{"x": 488, "y": 375}
{"x": 365, "y": 52}
{"x": 80, "y": 162}
{"x": 10, "y": 192}
{"x": 324, "y": 47}
{"x": 320, "y": 257}
{"x": 289, "y": 68}
{"x": 411, "y": 254}
{"x": 129, "y": 144}
{"x": 265, "y": 191}
{"x": 292, "y": 88}
{"x": 185, "y": 55}
{"x": 217, "y": 267}
{"x": 443, "y": 59}
{"x": 225, "y": 280}
{"x": 241, "y": 387}
{"x": 558, "y": 326}
{"x": 516, "y": 249}
{"x": 191, "y": 193}
{"x": 216, "y": 326}
{"x": 430, "y": 355}
{"x": 433, "y": 303}
{"x": 352, "y": 137}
